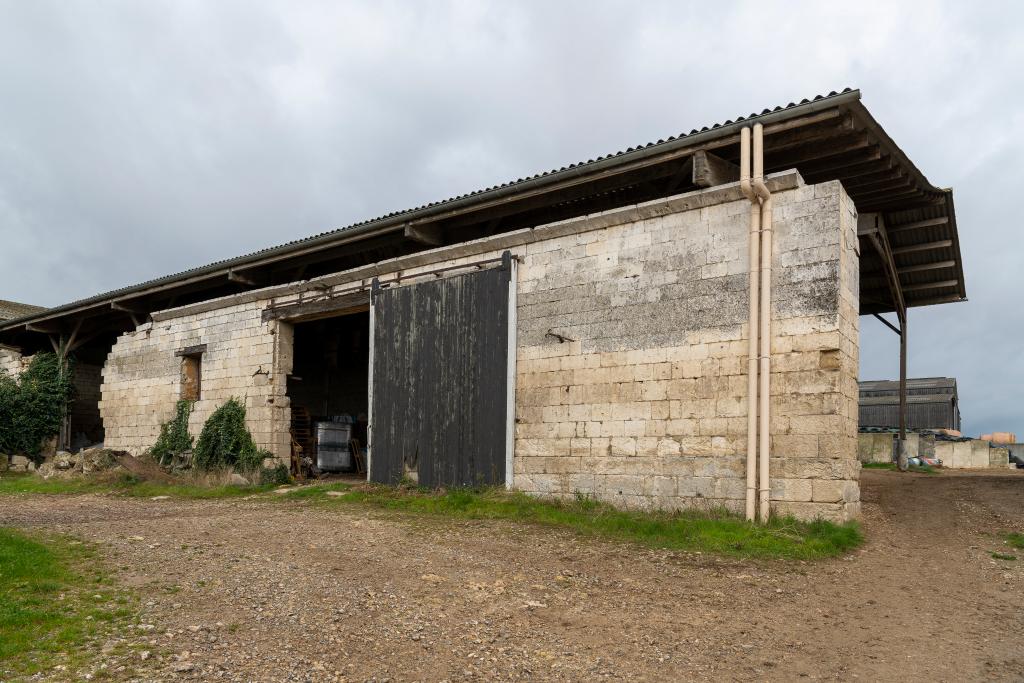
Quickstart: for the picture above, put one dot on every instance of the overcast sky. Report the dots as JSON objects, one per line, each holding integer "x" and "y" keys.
{"x": 142, "y": 138}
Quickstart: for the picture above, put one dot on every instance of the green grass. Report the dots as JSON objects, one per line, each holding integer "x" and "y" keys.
{"x": 124, "y": 485}
{"x": 1001, "y": 556}
{"x": 923, "y": 469}
{"x": 55, "y": 604}
{"x": 1015, "y": 540}
{"x": 716, "y": 531}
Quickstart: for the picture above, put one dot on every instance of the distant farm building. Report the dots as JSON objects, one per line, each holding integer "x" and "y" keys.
{"x": 932, "y": 403}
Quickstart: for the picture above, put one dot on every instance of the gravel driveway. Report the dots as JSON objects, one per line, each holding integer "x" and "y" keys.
{"x": 249, "y": 590}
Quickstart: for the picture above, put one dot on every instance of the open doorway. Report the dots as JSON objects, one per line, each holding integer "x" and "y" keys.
{"x": 84, "y": 426}
{"x": 328, "y": 392}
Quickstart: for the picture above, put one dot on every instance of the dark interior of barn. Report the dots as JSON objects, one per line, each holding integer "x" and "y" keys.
{"x": 328, "y": 391}
{"x": 85, "y": 425}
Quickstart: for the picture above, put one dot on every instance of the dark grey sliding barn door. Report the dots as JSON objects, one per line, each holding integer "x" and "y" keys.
{"x": 440, "y": 380}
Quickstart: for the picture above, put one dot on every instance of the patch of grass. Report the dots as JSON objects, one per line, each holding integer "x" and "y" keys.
{"x": 126, "y": 485}
{"x": 55, "y": 604}
{"x": 891, "y": 466}
{"x": 1001, "y": 556}
{"x": 715, "y": 531}
{"x": 1015, "y": 540}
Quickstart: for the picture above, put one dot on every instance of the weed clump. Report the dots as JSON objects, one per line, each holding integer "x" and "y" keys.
{"x": 275, "y": 476}
{"x": 33, "y": 406}
{"x": 226, "y": 443}
{"x": 174, "y": 438}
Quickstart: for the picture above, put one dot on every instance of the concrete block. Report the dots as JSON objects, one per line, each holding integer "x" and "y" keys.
{"x": 973, "y": 454}
{"x": 872, "y": 447}
{"x": 998, "y": 457}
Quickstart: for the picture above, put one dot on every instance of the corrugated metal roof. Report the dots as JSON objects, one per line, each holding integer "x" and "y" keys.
{"x": 541, "y": 182}
{"x": 895, "y": 401}
{"x": 579, "y": 167}
{"x": 10, "y": 310}
{"x": 912, "y": 383}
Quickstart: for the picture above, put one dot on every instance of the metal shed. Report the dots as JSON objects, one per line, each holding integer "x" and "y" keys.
{"x": 932, "y": 403}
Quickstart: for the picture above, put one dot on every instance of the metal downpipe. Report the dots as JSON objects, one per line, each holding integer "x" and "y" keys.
{"x": 764, "y": 371}
{"x": 752, "y": 321}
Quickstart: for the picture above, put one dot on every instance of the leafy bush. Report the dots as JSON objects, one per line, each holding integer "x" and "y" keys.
{"x": 225, "y": 442}
{"x": 174, "y": 437}
{"x": 33, "y": 406}
{"x": 275, "y": 476}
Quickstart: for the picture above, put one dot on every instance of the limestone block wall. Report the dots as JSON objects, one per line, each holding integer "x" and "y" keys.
{"x": 631, "y": 353}
{"x": 142, "y": 384}
{"x": 647, "y": 405}
{"x": 11, "y": 361}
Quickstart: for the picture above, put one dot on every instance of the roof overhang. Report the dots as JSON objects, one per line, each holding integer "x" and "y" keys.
{"x": 828, "y": 138}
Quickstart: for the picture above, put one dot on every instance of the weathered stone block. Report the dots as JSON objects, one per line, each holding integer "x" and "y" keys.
{"x": 791, "y": 489}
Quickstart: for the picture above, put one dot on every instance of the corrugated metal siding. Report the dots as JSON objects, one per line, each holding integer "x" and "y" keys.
{"x": 928, "y": 415}
{"x": 440, "y": 362}
{"x": 932, "y": 403}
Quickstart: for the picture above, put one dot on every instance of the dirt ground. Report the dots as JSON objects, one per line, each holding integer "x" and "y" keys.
{"x": 256, "y": 591}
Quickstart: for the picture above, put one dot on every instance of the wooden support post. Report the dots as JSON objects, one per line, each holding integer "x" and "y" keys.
{"x": 873, "y": 227}
{"x": 138, "y": 315}
{"x": 888, "y": 324}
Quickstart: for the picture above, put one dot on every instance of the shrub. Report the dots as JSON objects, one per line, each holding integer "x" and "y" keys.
{"x": 33, "y": 406}
{"x": 225, "y": 442}
{"x": 275, "y": 475}
{"x": 174, "y": 437}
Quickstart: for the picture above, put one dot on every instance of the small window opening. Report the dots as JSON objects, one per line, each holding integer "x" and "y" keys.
{"x": 191, "y": 377}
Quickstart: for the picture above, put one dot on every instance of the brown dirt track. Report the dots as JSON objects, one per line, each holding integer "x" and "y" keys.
{"x": 259, "y": 591}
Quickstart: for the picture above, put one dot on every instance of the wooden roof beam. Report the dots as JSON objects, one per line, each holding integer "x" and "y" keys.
{"x": 924, "y": 246}
{"x": 841, "y": 146}
{"x": 821, "y": 132}
{"x": 238, "y": 278}
{"x": 125, "y": 308}
{"x": 931, "y": 222}
{"x": 42, "y": 328}
{"x": 907, "y": 187}
{"x": 926, "y": 266}
{"x": 942, "y": 284}
{"x": 427, "y": 235}
{"x": 946, "y": 299}
{"x": 710, "y": 170}
{"x": 872, "y": 177}
{"x": 899, "y": 201}
{"x": 870, "y": 160}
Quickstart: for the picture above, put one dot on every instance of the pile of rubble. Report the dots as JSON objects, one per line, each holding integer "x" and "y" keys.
{"x": 65, "y": 465}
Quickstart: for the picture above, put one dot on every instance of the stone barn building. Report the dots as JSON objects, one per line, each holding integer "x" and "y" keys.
{"x": 583, "y": 330}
